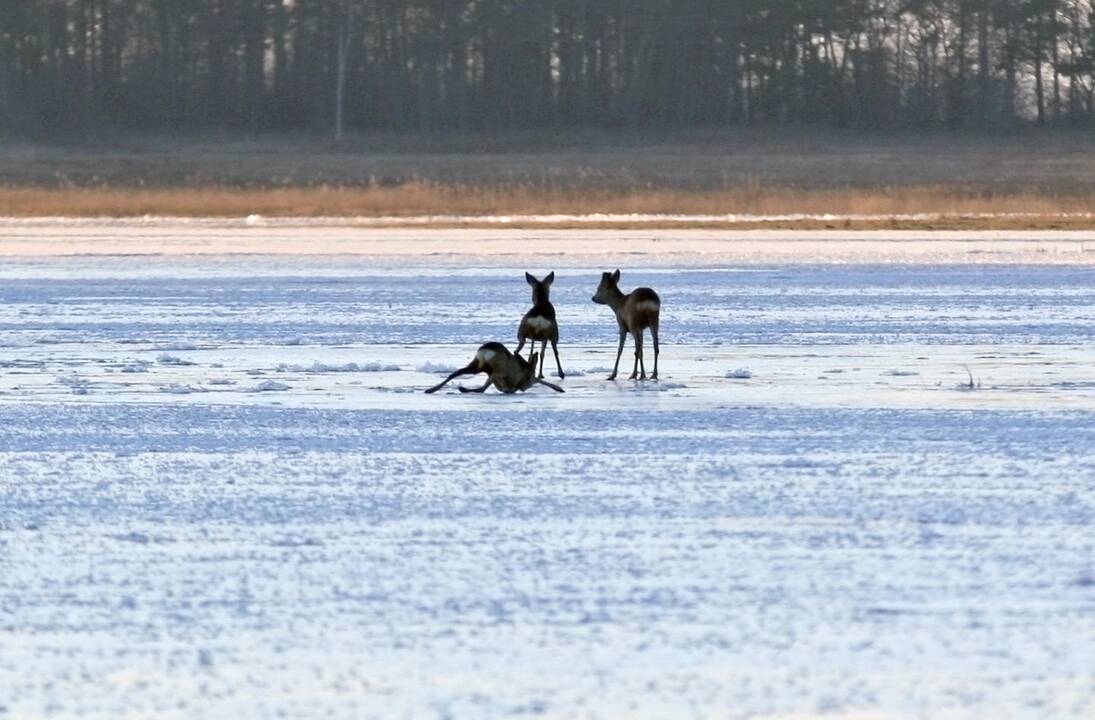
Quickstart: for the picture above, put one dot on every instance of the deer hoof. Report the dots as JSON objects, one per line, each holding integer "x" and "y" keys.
{"x": 612, "y": 376}
{"x": 561, "y": 375}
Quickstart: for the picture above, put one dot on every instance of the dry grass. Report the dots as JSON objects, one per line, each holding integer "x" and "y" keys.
{"x": 1049, "y": 177}
{"x": 949, "y": 207}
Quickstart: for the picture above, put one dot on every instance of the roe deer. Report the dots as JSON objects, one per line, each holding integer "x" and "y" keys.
{"x": 539, "y": 323}
{"x": 635, "y": 312}
{"x": 508, "y": 372}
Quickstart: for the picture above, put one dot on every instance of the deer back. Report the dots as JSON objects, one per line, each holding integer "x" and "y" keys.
{"x": 641, "y": 309}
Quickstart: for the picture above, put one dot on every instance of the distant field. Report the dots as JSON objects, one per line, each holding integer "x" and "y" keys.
{"x": 1046, "y": 177}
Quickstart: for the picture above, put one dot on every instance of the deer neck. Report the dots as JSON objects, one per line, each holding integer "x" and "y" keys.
{"x": 615, "y": 300}
{"x": 514, "y": 377}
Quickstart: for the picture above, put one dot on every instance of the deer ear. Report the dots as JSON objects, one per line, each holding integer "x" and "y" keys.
{"x": 550, "y": 278}
{"x": 616, "y": 276}
{"x": 530, "y": 279}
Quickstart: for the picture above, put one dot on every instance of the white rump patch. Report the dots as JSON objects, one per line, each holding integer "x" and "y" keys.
{"x": 648, "y": 305}
{"x": 539, "y": 323}
{"x": 485, "y": 356}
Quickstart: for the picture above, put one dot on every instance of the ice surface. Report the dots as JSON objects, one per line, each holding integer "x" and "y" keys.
{"x": 848, "y": 533}
{"x": 219, "y": 242}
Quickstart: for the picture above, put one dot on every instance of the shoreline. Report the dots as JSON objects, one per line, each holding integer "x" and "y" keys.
{"x": 918, "y": 222}
{"x": 643, "y": 246}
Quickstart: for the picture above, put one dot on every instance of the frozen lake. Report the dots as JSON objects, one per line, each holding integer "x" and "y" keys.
{"x": 224, "y": 495}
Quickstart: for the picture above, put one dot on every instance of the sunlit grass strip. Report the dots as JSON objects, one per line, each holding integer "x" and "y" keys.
{"x": 426, "y": 204}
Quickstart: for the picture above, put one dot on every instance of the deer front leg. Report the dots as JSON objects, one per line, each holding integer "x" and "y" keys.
{"x": 619, "y": 352}
{"x": 471, "y": 368}
{"x": 478, "y": 389}
{"x": 553, "y": 386}
{"x": 638, "y": 335}
{"x": 558, "y": 365}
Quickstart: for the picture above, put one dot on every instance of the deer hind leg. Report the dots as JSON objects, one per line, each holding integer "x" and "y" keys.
{"x": 558, "y": 365}
{"x": 654, "y": 336}
{"x": 471, "y": 368}
{"x": 478, "y": 389}
{"x": 543, "y": 352}
{"x": 619, "y": 352}
{"x": 520, "y": 343}
{"x": 638, "y": 335}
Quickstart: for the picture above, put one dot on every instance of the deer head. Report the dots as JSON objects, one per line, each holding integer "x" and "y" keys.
{"x": 527, "y": 370}
{"x": 608, "y": 289}
{"x": 540, "y": 288}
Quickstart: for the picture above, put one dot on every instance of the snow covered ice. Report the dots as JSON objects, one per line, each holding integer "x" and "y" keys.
{"x": 808, "y": 516}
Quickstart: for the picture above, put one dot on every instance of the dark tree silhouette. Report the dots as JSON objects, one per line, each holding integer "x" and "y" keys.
{"x": 435, "y": 65}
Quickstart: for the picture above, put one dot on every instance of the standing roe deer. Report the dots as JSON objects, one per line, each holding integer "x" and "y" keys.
{"x": 539, "y": 323}
{"x": 635, "y": 312}
{"x": 508, "y": 372}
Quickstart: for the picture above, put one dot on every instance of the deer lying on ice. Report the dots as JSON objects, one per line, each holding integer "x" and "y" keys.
{"x": 539, "y": 323}
{"x": 635, "y": 312}
{"x": 508, "y": 372}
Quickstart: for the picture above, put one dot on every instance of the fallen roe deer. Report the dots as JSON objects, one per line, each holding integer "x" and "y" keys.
{"x": 539, "y": 323}
{"x": 508, "y": 372}
{"x": 635, "y": 312}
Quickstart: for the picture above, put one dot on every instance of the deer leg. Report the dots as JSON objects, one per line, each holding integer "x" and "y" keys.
{"x": 638, "y": 355}
{"x": 478, "y": 389}
{"x": 553, "y": 386}
{"x": 520, "y": 344}
{"x": 619, "y": 352}
{"x": 654, "y": 335}
{"x": 471, "y": 368}
{"x": 543, "y": 352}
{"x": 558, "y": 365}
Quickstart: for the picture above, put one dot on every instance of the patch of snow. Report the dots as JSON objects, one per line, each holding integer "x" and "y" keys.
{"x": 739, "y": 374}
{"x": 270, "y": 386}
{"x": 901, "y": 373}
{"x": 657, "y": 386}
{"x": 436, "y": 368}
{"x": 166, "y": 359}
{"x": 142, "y": 538}
{"x": 319, "y": 367}
{"x": 77, "y": 384}
{"x": 179, "y": 389}
{"x": 22, "y": 364}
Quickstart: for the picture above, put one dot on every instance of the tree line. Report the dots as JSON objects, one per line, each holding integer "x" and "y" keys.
{"x": 434, "y": 65}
